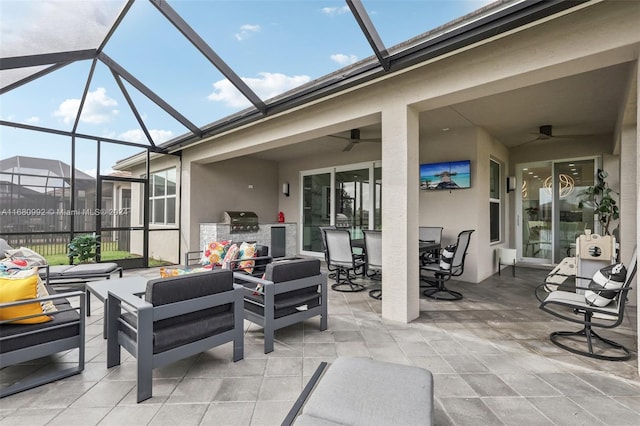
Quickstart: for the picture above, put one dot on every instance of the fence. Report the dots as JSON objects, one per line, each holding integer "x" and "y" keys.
{"x": 53, "y": 244}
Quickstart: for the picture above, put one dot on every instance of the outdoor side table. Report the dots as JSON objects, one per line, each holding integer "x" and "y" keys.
{"x": 134, "y": 284}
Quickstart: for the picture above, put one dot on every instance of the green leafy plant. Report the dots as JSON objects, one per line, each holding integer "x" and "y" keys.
{"x": 84, "y": 248}
{"x": 600, "y": 197}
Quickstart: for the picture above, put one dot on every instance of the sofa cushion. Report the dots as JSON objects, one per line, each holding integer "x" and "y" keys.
{"x": 13, "y": 289}
{"x": 64, "y": 324}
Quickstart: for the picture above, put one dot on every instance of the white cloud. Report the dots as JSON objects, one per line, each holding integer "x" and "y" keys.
{"x": 137, "y": 135}
{"x": 246, "y": 31}
{"x": 32, "y": 120}
{"x": 343, "y": 59}
{"x": 98, "y": 108}
{"x": 332, "y": 11}
{"x": 266, "y": 86}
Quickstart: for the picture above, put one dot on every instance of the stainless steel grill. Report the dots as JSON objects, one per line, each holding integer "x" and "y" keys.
{"x": 241, "y": 221}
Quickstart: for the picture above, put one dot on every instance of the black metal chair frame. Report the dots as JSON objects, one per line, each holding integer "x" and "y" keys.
{"x": 344, "y": 266}
{"x": 436, "y": 288}
{"x": 573, "y": 307}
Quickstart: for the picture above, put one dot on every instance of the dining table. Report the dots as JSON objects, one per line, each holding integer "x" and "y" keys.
{"x": 423, "y": 245}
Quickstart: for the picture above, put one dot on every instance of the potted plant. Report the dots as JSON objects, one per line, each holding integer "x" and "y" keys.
{"x": 600, "y": 197}
{"x": 84, "y": 248}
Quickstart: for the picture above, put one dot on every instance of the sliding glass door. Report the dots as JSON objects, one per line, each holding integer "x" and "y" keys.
{"x": 316, "y": 209}
{"x": 342, "y": 197}
{"x": 549, "y": 218}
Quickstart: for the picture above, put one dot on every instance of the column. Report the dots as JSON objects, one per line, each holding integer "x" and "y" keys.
{"x": 400, "y": 188}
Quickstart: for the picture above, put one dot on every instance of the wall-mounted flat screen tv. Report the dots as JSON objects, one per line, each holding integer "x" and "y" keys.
{"x": 445, "y": 175}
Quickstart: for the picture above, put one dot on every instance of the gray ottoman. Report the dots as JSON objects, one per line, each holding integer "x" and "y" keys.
{"x": 360, "y": 391}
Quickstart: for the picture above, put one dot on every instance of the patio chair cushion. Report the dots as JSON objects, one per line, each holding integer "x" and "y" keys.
{"x": 13, "y": 289}
{"x": 361, "y": 391}
{"x": 174, "y": 332}
{"x": 611, "y": 277}
{"x": 61, "y": 325}
{"x": 289, "y": 302}
{"x": 83, "y": 270}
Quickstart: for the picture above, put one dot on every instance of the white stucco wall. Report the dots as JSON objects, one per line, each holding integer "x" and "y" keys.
{"x": 601, "y": 35}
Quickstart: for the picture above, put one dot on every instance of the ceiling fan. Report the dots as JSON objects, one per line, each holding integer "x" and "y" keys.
{"x": 354, "y": 139}
{"x": 545, "y": 132}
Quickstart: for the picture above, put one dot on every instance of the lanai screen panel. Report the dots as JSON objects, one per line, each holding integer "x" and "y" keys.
{"x": 42, "y": 27}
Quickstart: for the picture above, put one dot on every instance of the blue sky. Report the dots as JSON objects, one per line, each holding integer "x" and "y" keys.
{"x": 273, "y": 45}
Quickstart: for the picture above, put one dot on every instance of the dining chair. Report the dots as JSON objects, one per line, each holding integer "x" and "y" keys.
{"x": 430, "y": 234}
{"x": 341, "y": 257}
{"x": 331, "y": 269}
{"x": 444, "y": 270}
{"x": 373, "y": 256}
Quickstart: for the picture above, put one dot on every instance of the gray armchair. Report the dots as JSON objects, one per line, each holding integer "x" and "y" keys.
{"x": 179, "y": 317}
{"x": 291, "y": 291}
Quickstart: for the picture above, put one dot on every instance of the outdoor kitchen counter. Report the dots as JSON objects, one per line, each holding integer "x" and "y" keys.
{"x": 222, "y": 231}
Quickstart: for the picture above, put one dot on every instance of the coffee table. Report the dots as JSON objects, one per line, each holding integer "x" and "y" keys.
{"x": 134, "y": 284}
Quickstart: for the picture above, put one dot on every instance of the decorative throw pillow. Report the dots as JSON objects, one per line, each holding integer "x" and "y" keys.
{"x": 41, "y": 290}
{"x": 32, "y": 258}
{"x": 214, "y": 252}
{"x": 446, "y": 257}
{"x": 14, "y": 289}
{"x": 230, "y": 256}
{"x": 246, "y": 251}
{"x": 608, "y": 278}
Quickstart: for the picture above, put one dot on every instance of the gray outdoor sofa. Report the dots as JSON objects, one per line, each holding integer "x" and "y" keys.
{"x": 25, "y": 342}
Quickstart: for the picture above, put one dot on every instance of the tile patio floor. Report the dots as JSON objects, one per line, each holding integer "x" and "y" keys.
{"x": 490, "y": 355}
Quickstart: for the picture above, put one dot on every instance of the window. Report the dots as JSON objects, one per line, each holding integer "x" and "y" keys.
{"x": 495, "y": 206}
{"x": 162, "y": 199}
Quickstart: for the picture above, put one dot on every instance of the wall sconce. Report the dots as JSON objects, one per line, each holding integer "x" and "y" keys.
{"x": 285, "y": 189}
{"x": 511, "y": 183}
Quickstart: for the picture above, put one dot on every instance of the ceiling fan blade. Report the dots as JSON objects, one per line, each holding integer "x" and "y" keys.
{"x": 529, "y": 141}
{"x": 349, "y": 147}
{"x": 340, "y": 137}
{"x": 571, "y": 136}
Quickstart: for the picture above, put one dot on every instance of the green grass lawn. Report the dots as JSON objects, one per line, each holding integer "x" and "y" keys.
{"x": 62, "y": 259}
{"x": 56, "y": 254}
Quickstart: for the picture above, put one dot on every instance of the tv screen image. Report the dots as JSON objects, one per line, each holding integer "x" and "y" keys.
{"x": 446, "y": 175}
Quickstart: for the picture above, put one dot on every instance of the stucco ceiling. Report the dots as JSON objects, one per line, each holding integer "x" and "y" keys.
{"x": 583, "y": 104}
